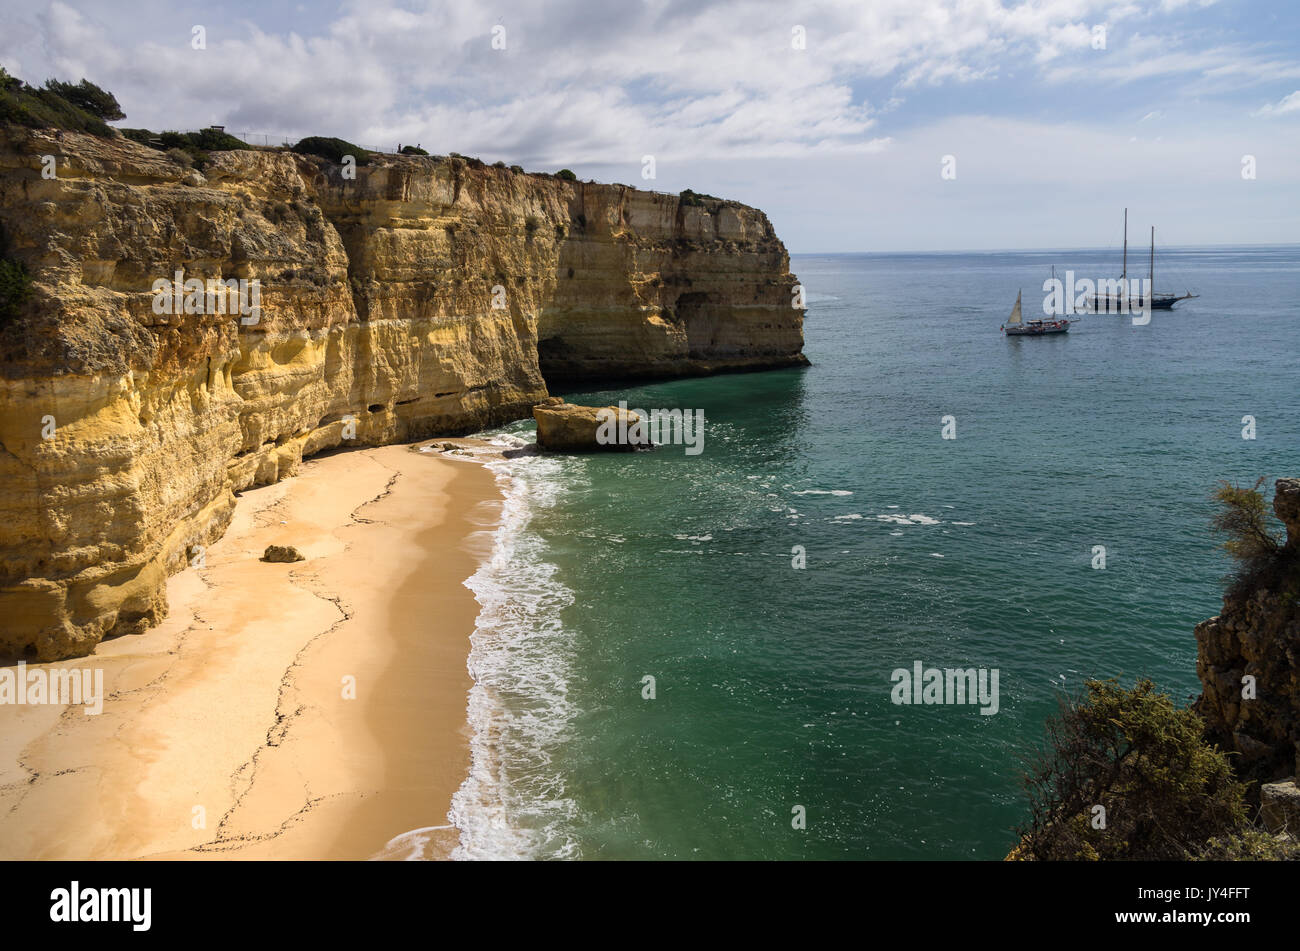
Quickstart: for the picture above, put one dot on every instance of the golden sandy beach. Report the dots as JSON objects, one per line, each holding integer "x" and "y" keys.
{"x": 226, "y": 732}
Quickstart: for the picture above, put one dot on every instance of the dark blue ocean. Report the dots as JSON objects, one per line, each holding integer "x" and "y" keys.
{"x": 772, "y": 683}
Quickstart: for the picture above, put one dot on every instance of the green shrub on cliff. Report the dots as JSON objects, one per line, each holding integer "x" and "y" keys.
{"x": 413, "y": 150}
{"x": 215, "y": 140}
{"x": 195, "y": 143}
{"x": 143, "y": 136}
{"x": 1245, "y": 521}
{"x": 696, "y": 199}
{"x": 1127, "y": 775}
{"x": 1250, "y": 845}
{"x": 15, "y": 290}
{"x": 88, "y": 97}
{"x": 80, "y": 107}
{"x": 567, "y": 175}
{"x": 15, "y": 284}
{"x": 332, "y": 149}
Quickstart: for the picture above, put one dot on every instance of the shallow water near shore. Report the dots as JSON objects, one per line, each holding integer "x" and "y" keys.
{"x": 771, "y": 683}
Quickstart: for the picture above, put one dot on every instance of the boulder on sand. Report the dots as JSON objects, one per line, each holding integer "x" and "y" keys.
{"x": 282, "y": 553}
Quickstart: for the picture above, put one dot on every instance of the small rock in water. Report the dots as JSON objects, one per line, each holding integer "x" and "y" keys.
{"x": 282, "y": 553}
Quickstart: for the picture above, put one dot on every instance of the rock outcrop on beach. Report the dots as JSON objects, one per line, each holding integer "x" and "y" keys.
{"x": 565, "y": 427}
{"x": 1257, "y": 635}
{"x": 282, "y": 553}
{"x": 425, "y": 296}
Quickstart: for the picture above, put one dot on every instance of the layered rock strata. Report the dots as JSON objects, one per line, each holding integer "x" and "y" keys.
{"x": 423, "y": 296}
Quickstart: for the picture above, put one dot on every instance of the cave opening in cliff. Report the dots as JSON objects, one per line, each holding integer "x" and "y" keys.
{"x": 559, "y": 361}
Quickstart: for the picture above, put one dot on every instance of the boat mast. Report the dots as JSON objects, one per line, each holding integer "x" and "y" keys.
{"x": 1124, "y": 274}
{"x": 1151, "y": 269}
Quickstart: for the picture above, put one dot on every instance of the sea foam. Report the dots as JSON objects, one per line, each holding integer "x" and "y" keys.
{"x": 512, "y": 805}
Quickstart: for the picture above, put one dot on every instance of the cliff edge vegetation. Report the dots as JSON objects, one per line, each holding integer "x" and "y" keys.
{"x": 1127, "y": 774}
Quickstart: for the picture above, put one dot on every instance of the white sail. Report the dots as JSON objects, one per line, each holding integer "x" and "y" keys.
{"x": 1015, "y": 311}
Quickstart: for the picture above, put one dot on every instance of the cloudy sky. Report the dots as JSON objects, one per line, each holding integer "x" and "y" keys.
{"x": 834, "y": 116}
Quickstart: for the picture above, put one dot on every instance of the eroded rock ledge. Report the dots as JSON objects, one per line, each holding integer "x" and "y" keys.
{"x": 377, "y": 325}
{"x": 1258, "y": 635}
{"x": 564, "y": 427}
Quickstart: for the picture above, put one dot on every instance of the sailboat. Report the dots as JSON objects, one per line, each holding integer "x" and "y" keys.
{"x": 1114, "y": 304}
{"x": 1017, "y": 326}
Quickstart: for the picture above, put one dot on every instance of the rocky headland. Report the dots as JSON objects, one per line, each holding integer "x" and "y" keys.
{"x": 424, "y": 296}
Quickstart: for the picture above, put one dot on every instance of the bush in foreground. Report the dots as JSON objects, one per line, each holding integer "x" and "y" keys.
{"x": 1250, "y": 845}
{"x": 1165, "y": 792}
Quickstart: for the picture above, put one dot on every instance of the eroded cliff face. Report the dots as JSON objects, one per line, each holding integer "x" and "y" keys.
{"x": 1258, "y": 635}
{"x": 648, "y": 286}
{"x": 427, "y": 296}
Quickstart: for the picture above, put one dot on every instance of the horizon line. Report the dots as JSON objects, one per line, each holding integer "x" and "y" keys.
{"x": 1167, "y": 247}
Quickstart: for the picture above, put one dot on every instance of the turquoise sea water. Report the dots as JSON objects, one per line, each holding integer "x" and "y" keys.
{"x": 773, "y": 683}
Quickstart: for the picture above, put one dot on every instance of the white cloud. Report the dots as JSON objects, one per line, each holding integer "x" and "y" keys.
{"x": 1288, "y": 104}
{"x": 712, "y": 88}
{"x": 576, "y": 82}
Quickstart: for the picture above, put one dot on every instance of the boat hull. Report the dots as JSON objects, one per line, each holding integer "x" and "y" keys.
{"x": 1114, "y": 305}
{"x": 1039, "y": 330}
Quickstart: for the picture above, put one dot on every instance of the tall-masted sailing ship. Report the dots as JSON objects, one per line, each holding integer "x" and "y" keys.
{"x": 1124, "y": 303}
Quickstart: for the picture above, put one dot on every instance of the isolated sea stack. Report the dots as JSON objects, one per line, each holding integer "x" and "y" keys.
{"x": 425, "y": 296}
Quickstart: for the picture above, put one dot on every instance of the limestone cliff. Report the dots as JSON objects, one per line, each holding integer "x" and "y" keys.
{"x": 1258, "y": 635}
{"x": 426, "y": 296}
